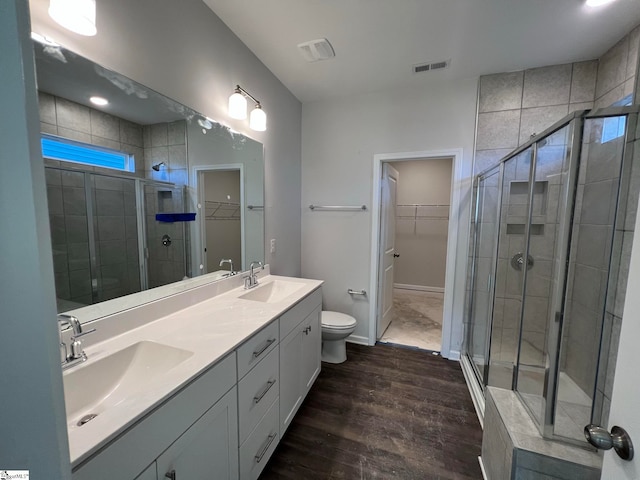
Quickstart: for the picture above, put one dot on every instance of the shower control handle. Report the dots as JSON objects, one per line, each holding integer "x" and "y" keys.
{"x": 618, "y": 439}
{"x": 517, "y": 261}
{"x": 396, "y": 255}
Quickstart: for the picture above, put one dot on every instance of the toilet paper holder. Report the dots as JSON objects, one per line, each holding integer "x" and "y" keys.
{"x": 351, "y": 291}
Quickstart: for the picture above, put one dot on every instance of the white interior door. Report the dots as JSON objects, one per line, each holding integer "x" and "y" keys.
{"x": 626, "y": 388}
{"x": 389, "y": 186}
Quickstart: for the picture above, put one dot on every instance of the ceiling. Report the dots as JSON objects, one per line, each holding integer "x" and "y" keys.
{"x": 377, "y": 41}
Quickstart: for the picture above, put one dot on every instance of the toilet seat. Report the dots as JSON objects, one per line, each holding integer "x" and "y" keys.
{"x": 337, "y": 321}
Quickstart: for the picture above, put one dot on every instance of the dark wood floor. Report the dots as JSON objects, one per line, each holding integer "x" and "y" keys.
{"x": 387, "y": 412}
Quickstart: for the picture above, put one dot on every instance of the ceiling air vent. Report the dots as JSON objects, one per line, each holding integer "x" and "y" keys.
{"x": 425, "y": 67}
{"x": 316, "y": 50}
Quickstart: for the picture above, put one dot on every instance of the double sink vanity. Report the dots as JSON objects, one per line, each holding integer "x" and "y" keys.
{"x": 200, "y": 384}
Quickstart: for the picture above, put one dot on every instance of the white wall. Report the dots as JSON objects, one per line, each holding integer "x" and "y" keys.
{"x": 422, "y": 242}
{"x": 33, "y": 433}
{"x": 339, "y": 140}
{"x": 184, "y": 51}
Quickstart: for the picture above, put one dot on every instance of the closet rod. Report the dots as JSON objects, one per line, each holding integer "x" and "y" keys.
{"x": 344, "y": 208}
{"x": 423, "y": 205}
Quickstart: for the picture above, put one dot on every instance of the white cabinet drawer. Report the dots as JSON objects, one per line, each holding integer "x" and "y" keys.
{"x": 299, "y": 312}
{"x": 257, "y": 391}
{"x": 256, "y": 451}
{"x": 257, "y": 348}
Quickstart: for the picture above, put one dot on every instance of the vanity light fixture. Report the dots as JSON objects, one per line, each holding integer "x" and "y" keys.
{"x": 100, "y": 101}
{"x": 79, "y": 16}
{"x": 238, "y": 109}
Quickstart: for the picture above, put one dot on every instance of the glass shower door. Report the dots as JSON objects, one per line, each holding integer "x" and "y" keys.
{"x": 552, "y": 192}
{"x": 484, "y": 258}
{"x": 115, "y": 236}
{"x": 509, "y": 280}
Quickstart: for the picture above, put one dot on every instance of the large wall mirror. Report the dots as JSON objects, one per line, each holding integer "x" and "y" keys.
{"x": 120, "y": 178}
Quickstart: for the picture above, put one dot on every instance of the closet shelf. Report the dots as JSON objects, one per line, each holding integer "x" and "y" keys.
{"x": 221, "y": 210}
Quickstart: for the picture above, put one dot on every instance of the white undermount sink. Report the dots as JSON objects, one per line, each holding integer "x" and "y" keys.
{"x": 91, "y": 389}
{"x": 272, "y": 292}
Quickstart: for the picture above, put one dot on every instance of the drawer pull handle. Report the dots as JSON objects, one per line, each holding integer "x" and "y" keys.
{"x": 266, "y": 345}
{"x": 264, "y": 391}
{"x": 171, "y": 475}
{"x": 261, "y": 453}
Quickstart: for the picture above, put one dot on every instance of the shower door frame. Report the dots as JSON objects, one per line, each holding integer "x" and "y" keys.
{"x": 558, "y": 295}
{"x": 484, "y": 378}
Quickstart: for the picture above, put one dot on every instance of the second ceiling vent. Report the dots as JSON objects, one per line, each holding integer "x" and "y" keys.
{"x": 316, "y": 50}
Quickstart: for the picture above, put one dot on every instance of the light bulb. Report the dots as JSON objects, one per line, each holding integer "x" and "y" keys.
{"x": 258, "y": 119}
{"x": 79, "y": 16}
{"x": 100, "y": 101}
{"x": 237, "y": 106}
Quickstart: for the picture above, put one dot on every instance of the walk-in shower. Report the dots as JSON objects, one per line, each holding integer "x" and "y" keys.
{"x": 544, "y": 288}
{"x": 106, "y": 240}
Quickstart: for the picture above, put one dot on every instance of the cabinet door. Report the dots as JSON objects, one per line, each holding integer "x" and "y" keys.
{"x": 311, "y": 349}
{"x": 149, "y": 474}
{"x": 209, "y": 449}
{"x": 290, "y": 376}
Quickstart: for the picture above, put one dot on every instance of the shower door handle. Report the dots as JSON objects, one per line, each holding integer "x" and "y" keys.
{"x": 618, "y": 439}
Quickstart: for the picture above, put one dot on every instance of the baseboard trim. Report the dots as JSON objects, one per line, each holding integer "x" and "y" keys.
{"x": 360, "y": 340}
{"x": 453, "y": 355}
{"x": 421, "y": 288}
{"x": 482, "y": 469}
{"x": 475, "y": 390}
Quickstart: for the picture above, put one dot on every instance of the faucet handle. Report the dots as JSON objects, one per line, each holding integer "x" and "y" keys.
{"x": 83, "y": 333}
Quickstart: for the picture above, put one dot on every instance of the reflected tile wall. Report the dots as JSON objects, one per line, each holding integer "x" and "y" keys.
{"x": 68, "y": 119}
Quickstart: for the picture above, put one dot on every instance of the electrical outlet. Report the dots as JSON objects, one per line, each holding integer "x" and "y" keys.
{"x": 273, "y": 245}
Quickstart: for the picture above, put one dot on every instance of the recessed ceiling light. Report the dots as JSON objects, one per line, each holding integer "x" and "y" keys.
{"x": 597, "y": 3}
{"x": 99, "y": 101}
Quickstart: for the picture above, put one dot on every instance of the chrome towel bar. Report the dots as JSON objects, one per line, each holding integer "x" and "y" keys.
{"x": 356, "y": 292}
{"x": 344, "y": 208}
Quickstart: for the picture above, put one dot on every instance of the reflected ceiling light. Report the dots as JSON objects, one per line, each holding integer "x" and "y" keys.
{"x": 238, "y": 109}
{"x": 100, "y": 101}
{"x": 597, "y": 3}
{"x": 79, "y": 16}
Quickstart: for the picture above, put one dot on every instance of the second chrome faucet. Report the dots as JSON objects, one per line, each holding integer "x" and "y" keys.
{"x": 251, "y": 280}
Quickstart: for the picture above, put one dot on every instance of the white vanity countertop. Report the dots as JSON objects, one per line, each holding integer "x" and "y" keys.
{"x": 210, "y": 329}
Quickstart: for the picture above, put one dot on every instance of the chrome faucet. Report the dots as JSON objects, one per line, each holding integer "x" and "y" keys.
{"x": 230, "y": 262}
{"x": 251, "y": 280}
{"x": 76, "y": 355}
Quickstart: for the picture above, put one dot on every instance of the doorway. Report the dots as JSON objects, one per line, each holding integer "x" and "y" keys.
{"x": 415, "y": 300}
{"x": 220, "y": 192}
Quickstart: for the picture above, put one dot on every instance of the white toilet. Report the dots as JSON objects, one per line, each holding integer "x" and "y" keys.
{"x": 336, "y": 327}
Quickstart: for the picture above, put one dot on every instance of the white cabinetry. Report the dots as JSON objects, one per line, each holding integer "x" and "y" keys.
{"x": 208, "y": 449}
{"x": 300, "y": 347}
{"x": 226, "y": 423}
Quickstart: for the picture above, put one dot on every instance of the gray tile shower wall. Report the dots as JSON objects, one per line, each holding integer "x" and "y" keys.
{"x": 512, "y": 106}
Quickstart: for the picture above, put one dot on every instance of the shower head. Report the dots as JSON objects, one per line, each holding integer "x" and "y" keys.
{"x": 157, "y": 166}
